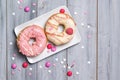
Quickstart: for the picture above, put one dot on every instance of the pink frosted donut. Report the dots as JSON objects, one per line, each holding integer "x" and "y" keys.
{"x": 35, "y": 33}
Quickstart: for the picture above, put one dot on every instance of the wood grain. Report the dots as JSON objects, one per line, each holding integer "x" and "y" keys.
{"x": 2, "y": 40}
{"x": 12, "y": 21}
{"x": 83, "y": 55}
{"x": 108, "y": 41}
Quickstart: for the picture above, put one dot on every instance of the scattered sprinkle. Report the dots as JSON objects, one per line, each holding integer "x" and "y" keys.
{"x": 13, "y": 66}
{"x": 14, "y": 55}
{"x": 75, "y": 12}
{"x": 82, "y": 24}
{"x": 29, "y": 73}
{"x": 82, "y": 47}
{"x": 33, "y": 11}
{"x": 89, "y": 62}
{"x": 30, "y": 69}
{"x": 62, "y": 11}
{"x": 21, "y": 1}
{"x": 49, "y": 46}
{"x": 88, "y": 26}
{"x": 64, "y": 66}
{"x": 56, "y": 59}
{"x": 47, "y": 64}
{"x": 77, "y": 72}
{"x": 61, "y": 62}
{"x": 18, "y": 2}
{"x": 40, "y": 66}
{"x": 19, "y": 69}
{"x": 13, "y": 58}
{"x": 27, "y": 9}
{"x": 69, "y": 67}
{"x": 40, "y": 45}
{"x": 20, "y": 7}
{"x": 49, "y": 71}
{"x": 89, "y": 36}
{"x": 54, "y": 64}
{"x": 69, "y": 73}
{"x": 13, "y": 72}
{"x": 64, "y": 59}
{"x": 25, "y": 64}
{"x": 34, "y": 4}
{"x": 53, "y": 49}
{"x": 85, "y": 13}
{"x": 10, "y": 43}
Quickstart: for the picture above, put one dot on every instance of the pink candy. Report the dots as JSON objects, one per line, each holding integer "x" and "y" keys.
{"x": 13, "y": 66}
{"x": 53, "y": 49}
{"x": 27, "y": 9}
{"x": 34, "y": 4}
{"x": 47, "y": 64}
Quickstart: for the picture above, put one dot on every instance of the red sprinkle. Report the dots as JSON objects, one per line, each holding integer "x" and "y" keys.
{"x": 62, "y": 11}
{"x": 69, "y": 31}
{"x": 69, "y": 73}
{"x": 25, "y": 65}
{"x": 49, "y": 46}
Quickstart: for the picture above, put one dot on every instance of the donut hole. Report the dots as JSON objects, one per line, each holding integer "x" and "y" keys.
{"x": 61, "y": 28}
{"x": 32, "y": 40}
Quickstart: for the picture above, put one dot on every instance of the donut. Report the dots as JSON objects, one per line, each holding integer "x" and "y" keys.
{"x": 36, "y": 33}
{"x": 51, "y": 28}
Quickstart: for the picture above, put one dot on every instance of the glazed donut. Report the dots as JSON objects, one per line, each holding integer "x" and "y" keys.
{"x": 51, "y": 28}
{"x": 23, "y": 41}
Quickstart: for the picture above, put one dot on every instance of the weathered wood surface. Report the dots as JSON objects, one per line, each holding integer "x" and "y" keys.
{"x": 84, "y": 55}
{"x": 108, "y": 40}
{"x": 86, "y": 14}
{"x": 3, "y": 40}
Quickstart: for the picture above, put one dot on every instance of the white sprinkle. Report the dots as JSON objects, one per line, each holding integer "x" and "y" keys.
{"x": 13, "y": 13}
{"x": 64, "y": 66}
{"x": 89, "y": 62}
{"x": 61, "y": 62}
{"x": 10, "y": 43}
{"x": 82, "y": 24}
{"x": 69, "y": 67}
{"x": 33, "y": 11}
{"x": 56, "y": 59}
{"x": 29, "y": 73}
{"x": 13, "y": 58}
{"x": 82, "y": 47}
{"x": 18, "y": 2}
{"x": 30, "y": 69}
{"x": 40, "y": 66}
{"x": 77, "y": 72}
{"x": 40, "y": 45}
{"x": 88, "y": 26}
{"x": 75, "y": 12}
{"x": 49, "y": 71}
{"x": 64, "y": 59}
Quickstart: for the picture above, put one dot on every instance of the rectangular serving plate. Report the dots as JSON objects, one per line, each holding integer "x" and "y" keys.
{"x": 41, "y": 20}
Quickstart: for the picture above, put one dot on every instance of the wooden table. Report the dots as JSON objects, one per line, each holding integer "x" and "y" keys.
{"x": 95, "y": 58}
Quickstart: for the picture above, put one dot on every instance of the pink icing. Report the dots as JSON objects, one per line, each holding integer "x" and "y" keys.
{"x": 36, "y": 47}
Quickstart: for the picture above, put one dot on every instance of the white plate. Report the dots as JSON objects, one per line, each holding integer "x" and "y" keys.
{"x": 41, "y": 20}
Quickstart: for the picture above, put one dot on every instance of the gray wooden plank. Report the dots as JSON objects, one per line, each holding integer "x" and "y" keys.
{"x": 108, "y": 38}
{"x": 58, "y": 72}
{"x": 83, "y": 55}
{"x": 12, "y": 21}
{"x": 3, "y": 39}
